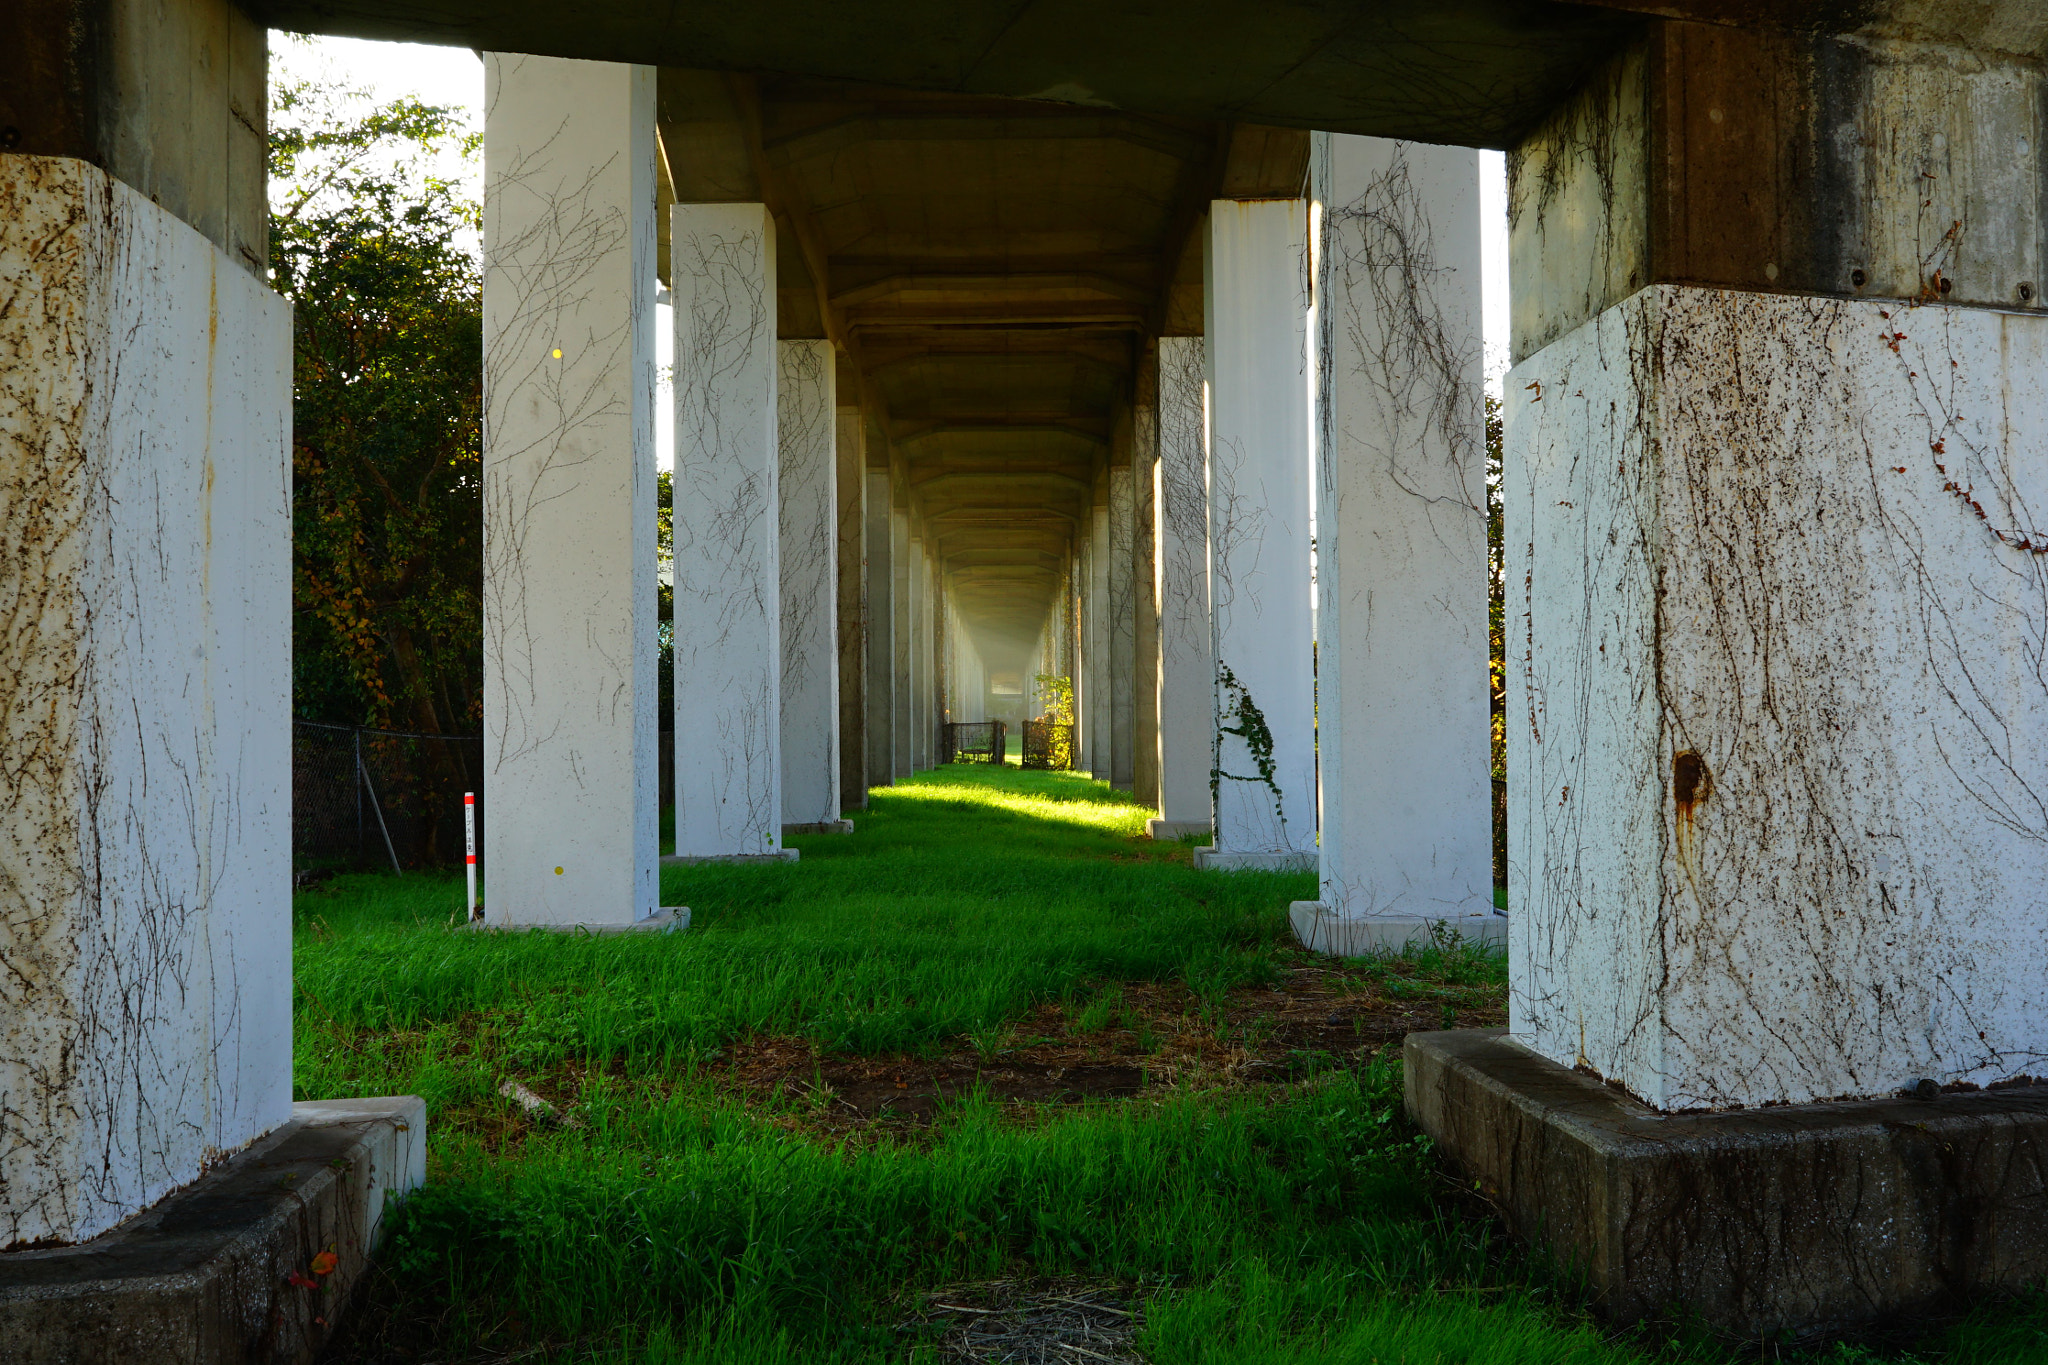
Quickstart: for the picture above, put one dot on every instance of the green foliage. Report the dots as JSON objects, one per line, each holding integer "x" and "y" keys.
{"x": 387, "y": 367}
{"x": 1058, "y": 691}
{"x": 1242, "y": 717}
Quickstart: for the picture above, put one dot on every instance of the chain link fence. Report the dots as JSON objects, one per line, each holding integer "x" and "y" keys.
{"x": 389, "y": 797}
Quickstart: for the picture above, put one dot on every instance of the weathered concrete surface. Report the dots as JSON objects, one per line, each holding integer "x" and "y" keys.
{"x": 1787, "y": 162}
{"x": 169, "y": 98}
{"x": 728, "y": 730}
{"x": 571, "y": 780}
{"x": 1777, "y": 615}
{"x": 807, "y": 482}
{"x": 145, "y": 568}
{"x": 1796, "y": 1219}
{"x": 225, "y": 1269}
{"x": 1401, "y": 614}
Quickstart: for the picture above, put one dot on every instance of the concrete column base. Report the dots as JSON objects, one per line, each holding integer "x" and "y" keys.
{"x": 226, "y": 1268}
{"x": 1223, "y": 860}
{"x": 819, "y": 827}
{"x": 1320, "y": 931}
{"x": 1795, "y": 1219}
{"x": 780, "y": 855}
{"x": 1175, "y": 829}
{"x": 670, "y": 919}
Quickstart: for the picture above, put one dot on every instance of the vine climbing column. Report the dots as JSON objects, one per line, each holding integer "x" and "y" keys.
{"x": 1256, "y": 299}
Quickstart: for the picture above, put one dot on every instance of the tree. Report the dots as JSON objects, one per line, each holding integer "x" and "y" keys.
{"x": 375, "y": 252}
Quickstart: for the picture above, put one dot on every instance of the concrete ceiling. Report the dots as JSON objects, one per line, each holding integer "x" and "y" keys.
{"x": 1470, "y": 71}
{"x": 991, "y": 269}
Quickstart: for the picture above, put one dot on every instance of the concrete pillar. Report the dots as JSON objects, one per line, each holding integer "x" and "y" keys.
{"x": 931, "y": 613}
{"x": 1771, "y": 576}
{"x": 903, "y": 728}
{"x": 1777, "y": 573}
{"x": 880, "y": 580}
{"x": 1097, "y": 611}
{"x": 1401, "y": 552}
{"x": 728, "y": 732}
{"x": 807, "y": 476}
{"x": 1123, "y": 620}
{"x": 918, "y": 599}
{"x": 1145, "y": 734}
{"x": 1187, "y": 658}
{"x": 571, "y": 776}
{"x": 1256, "y": 308}
{"x": 850, "y": 459}
{"x": 145, "y": 571}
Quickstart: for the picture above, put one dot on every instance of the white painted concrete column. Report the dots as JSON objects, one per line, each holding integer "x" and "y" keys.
{"x": 1096, "y": 612}
{"x": 571, "y": 774}
{"x": 919, "y": 589}
{"x": 1401, "y": 552}
{"x": 728, "y": 731}
{"x": 882, "y": 628}
{"x": 904, "y": 647}
{"x": 850, "y": 459}
{"x": 145, "y": 804}
{"x": 1123, "y": 621}
{"x": 1187, "y": 658}
{"x": 807, "y": 420}
{"x": 1256, "y": 306}
{"x": 1145, "y": 585}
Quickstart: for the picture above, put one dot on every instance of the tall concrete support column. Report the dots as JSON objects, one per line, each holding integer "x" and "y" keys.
{"x": 571, "y": 776}
{"x": 903, "y": 759}
{"x": 807, "y": 475}
{"x": 728, "y": 731}
{"x": 880, "y": 589}
{"x": 1145, "y": 586}
{"x": 1187, "y": 659}
{"x": 1256, "y": 307}
{"x": 145, "y": 568}
{"x": 918, "y": 590}
{"x": 1776, "y": 587}
{"x": 1122, "y": 617}
{"x": 1097, "y": 611}
{"x": 1407, "y": 829}
{"x": 850, "y": 473}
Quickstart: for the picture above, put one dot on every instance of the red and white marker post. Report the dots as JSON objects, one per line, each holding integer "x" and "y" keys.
{"x": 469, "y": 846}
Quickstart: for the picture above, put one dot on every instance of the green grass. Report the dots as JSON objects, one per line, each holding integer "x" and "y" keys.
{"x": 1300, "y": 1221}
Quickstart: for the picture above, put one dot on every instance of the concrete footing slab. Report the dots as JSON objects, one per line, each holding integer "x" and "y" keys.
{"x": 1175, "y": 829}
{"x": 1798, "y": 1219}
{"x": 819, "y": 827}
{"x": 1223, "y": 860}
{"x": 234, "y": 1266}
{"x": 1316, "y": 929}
{"x": 780, "y": 855}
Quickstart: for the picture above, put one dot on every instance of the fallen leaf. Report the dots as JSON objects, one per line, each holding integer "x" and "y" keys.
{"x": 324, "y": 1263}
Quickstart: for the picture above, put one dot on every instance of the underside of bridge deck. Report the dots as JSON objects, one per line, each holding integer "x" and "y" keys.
{"x": 993, "y": 270}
